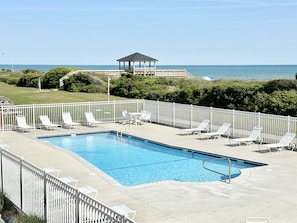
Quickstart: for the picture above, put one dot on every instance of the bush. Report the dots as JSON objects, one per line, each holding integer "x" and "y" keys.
{"x": 11, "y": 80}
{"x": 7, "y": 209}
{"x": 275, "y": 97}
{"x": 85, "y": 83}
{"x": 2, "y": 198}
{"x": 29, "y": 218}
{"x": 280, "y": 85}
{"x": 52, "y": 77}
{"x": 29, "y": 80}
{"x": 30, "y": 71}
{"x": 133, "y": 86}
{"x": 5, "y": 203}
{"x": 278, "y": 103}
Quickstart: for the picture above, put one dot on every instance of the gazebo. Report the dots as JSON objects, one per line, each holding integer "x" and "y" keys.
{"x": 138, "y": 63}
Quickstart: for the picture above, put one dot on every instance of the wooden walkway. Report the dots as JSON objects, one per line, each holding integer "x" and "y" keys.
{"x": 168, "y": 73}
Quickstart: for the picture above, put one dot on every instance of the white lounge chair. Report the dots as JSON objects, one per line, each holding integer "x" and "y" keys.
{"x": 221, "y": 131}
{"x": 67, "y": 120}
{"x": 46, "y": 123}
{"x": 253, "y": 137}
{"x": 126, "y": 118}
{"x": 203, "y": 126}
{"x": 257, "y": 220}
{"x": 91, "y": 120}
{"x": 145, "y": 116}
{"x": 140, "y": 118}
{"x": 22, "y": 124}
{"x": 285, "y": 142}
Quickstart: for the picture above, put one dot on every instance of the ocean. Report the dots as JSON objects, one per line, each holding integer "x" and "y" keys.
{"x": 230, "y": 72}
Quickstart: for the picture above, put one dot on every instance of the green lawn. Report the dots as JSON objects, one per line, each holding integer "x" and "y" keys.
{"x": 23, "y": 95}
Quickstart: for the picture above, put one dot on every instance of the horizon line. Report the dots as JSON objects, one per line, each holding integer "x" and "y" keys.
{"x": 156, "y": 65}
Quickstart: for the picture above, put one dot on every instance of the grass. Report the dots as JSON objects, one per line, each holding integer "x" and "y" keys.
{"x": 24, "y": 95}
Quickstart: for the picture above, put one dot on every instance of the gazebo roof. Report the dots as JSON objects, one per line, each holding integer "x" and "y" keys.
{"x": 137, "y": 57}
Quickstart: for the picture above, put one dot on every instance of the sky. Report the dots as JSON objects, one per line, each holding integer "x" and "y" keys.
{"x": 175, "y": 32}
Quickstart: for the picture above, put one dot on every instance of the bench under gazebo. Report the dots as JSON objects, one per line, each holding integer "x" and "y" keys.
{"x": 138, "y": 63}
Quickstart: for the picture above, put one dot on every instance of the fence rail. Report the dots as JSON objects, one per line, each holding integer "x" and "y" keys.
{"x": 36, "y": 192}
{"x": 171, "y": 114}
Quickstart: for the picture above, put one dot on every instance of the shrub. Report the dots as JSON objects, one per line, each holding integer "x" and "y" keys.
{"x": 29, "y": 218}
{"x": 1, "y": 201}
{"x": 85, "y": 83}
{"x": 280, "y": 85}
{"x": 11, "y": 80}
{"x": 52, "y": 77}
{"x": 278, "y": 103}
{"x": 29, "y": 80}
{"x": 30, "y": 71}
{"x": 5, "y": 203}
{"x": 7, "y": 209}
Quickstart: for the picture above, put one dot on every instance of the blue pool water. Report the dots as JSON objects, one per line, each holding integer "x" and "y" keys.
{"x": 132, "y": 161}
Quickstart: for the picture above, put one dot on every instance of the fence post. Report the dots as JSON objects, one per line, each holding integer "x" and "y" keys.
{"x": 158, "y": 111}
{"x": 289, "y": 118}
{"x": 114, "y": 111}
{"x": 233, "y": 122}
{"x": 191, "y": 116}
{"x": 62, "y": 107}
{"x": 33, "y": 114}
{"x": 1, "y": 119}
{"x": 210, "y": 117}
{"x": 137, "y": 107}
{"x": 143, "y": 105}
{"x": 77, "y": 206}
{"x": 1, "y": 166}
{"x": 173, "y": 114}
{"x": 21, "y": 182}
{"x": 259, "y": 120}
{"x": 45, "y": 196}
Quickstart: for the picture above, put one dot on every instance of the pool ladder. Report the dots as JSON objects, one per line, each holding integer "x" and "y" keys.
{"x": 122, "y": 128}
{"x": 227, "y": 176}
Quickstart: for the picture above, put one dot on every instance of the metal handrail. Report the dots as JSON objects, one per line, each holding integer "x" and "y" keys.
{"x": 227, "y": 176}
{"x": 41, "y": 193}
{"x": 122, "y": 128}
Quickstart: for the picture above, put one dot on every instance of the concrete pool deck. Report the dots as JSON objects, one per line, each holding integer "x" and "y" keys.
{"x": 267, "y": 191}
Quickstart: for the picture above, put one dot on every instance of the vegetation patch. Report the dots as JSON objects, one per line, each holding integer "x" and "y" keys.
{"x": 275, "y": 96}
{"x": 10, "y": 213}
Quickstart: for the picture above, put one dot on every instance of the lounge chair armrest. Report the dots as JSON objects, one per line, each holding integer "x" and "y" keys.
{"x": 259, "y": 140}
{"x": 292, "y": 146}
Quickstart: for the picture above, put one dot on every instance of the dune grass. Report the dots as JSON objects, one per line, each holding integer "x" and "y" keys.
{"x": 23, "y": 95}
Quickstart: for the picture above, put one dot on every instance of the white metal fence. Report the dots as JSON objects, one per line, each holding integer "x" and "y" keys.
{"x": 104, "y": 111}
{"x": 36, "y": 192}
{"x": 172, "y": 114}
{"x": 188, "y": 116}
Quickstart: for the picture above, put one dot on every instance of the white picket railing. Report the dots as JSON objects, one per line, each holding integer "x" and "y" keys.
{"x": 171, "y": 114}
{"x": 188, "y": 116}
{"x": 36, "y": 192}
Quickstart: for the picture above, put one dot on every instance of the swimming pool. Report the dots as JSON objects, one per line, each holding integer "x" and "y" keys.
{"x": 133, "y": 161}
